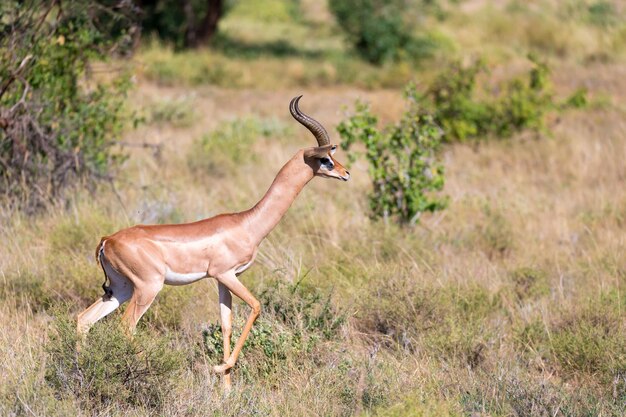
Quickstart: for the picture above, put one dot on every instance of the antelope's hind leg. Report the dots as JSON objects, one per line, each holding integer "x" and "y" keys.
{"x": 119, "y": 292}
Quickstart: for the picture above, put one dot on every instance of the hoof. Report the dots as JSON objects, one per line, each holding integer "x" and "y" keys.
{"x": 220, "y": 369}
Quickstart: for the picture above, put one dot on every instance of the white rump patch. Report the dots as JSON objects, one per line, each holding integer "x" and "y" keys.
{"x": 175, "y": 278}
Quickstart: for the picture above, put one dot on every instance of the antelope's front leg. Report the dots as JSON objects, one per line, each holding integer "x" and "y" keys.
{"x": 230, "y": 281}
{"x": 226, "y": 316}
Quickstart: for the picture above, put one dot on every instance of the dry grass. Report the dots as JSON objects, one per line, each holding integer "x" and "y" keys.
{"x": 508, "y": 303}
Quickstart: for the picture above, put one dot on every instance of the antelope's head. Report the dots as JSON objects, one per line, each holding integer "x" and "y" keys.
{"x": 319, "y": 158}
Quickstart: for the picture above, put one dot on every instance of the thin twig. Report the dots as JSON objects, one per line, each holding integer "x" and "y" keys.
{"x": 15, "y": 74}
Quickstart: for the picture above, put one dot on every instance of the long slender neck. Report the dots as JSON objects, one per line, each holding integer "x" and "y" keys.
{"x": 265, "y": 215}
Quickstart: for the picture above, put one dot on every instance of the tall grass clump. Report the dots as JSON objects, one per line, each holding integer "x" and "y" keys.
{"x": 168, "y": 67}
{"x": 231, "y": 144}
{"x": 589, "y": 340}
{"x": 403, "y": 162}
{"x": 65, "y": 268}
{"x": 453, "y": 324}
{"x": 179, "y": 112}
{"x": 110, "y": 369}
{"x": 581, "y": 343}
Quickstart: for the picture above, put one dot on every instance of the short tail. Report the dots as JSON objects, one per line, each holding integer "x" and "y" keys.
{"x": 100, "y": 257}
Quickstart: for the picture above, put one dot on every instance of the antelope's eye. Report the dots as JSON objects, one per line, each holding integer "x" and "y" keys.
{"x": 326, "y": 161}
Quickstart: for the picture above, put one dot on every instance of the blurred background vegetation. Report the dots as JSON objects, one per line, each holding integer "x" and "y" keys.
{"x": 473, "y": 265}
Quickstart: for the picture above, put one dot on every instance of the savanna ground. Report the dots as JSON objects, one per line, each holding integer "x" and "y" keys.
{"x": 507, "y": 303}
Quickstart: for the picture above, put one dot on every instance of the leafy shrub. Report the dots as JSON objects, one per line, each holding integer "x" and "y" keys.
{"x": 378, "y": 30}
{"x": 466, "y": 111}
{"x": 54, "y": 130}
{"x": 522, "y": 104}
{"x": 402, "y": 160}
{"x": 110, "y": 368}
{"x": 577, "y": 100}
{"x": 265, "y": 352}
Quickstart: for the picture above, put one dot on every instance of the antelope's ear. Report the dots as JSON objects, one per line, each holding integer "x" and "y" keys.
{"x": 319, "y": 152}
{"x": 333, "y": 149}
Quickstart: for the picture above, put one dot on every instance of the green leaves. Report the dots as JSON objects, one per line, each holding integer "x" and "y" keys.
{"x": 378, "y": 30}
{"x": 402, "y": 159}
{"x": 466, "y": 111}
{"x": 59, "y": 125}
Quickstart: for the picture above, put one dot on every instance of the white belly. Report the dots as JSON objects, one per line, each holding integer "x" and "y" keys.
{"x": 175, "y": 278}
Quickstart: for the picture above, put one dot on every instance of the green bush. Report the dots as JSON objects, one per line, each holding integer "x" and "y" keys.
{"x": 110, "y": 369}
{"x": 603, "y": 14}
{"x": 466, "y": 110}
{"x": 55, "y": 126}
{"x": 466, "y": 113}
{"x": 405, "y": 172}
{"x": 378, "y": 30}
{"x": 184, "y": 24}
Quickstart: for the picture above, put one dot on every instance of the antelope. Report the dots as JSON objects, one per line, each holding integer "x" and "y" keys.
{"x": 139, "y": 260}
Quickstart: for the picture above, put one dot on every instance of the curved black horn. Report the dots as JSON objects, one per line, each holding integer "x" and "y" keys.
{"x": 313, "y": 125}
